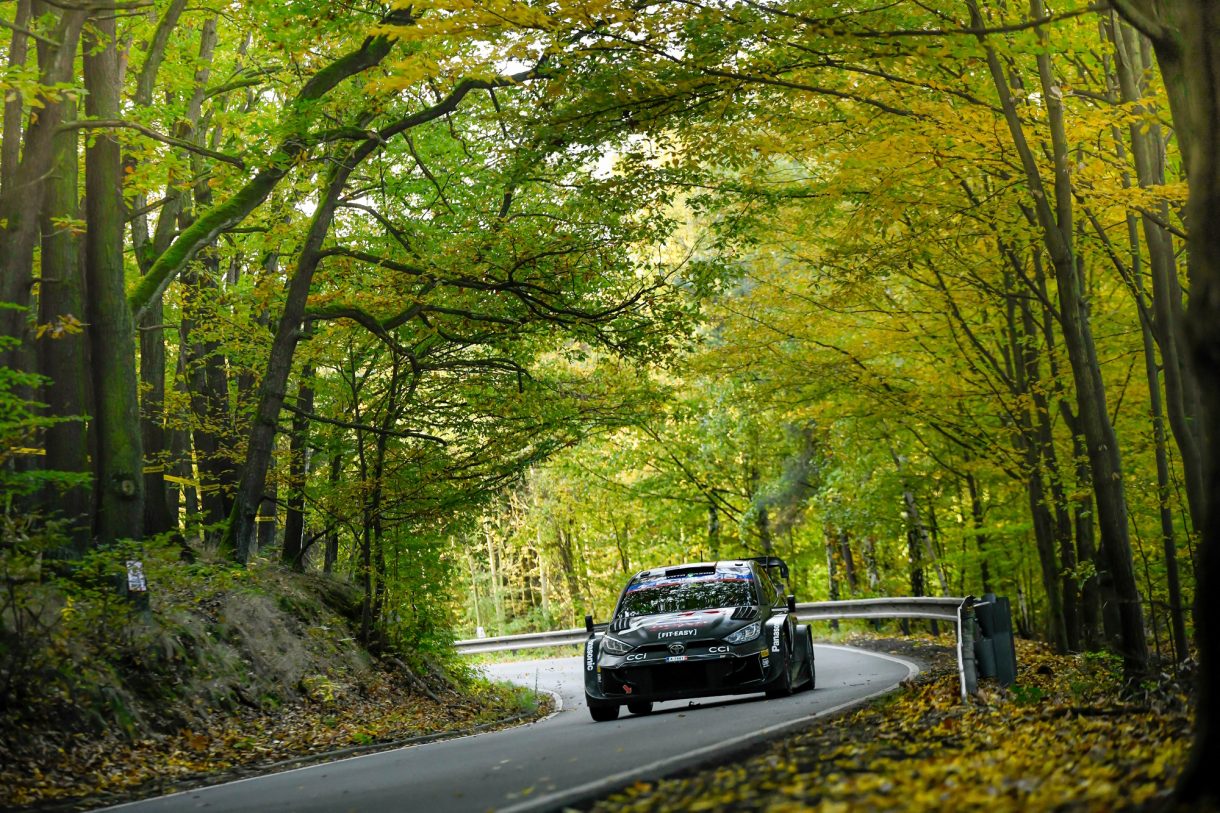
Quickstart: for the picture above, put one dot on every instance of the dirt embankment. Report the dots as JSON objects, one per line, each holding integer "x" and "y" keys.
{"x": 218, "y": 679}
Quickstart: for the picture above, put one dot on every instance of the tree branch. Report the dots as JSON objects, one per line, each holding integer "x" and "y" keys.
{"x": 395, "y": 433}
{"x": 114, "y": 124}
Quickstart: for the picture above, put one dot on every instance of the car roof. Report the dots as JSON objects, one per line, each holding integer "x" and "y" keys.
{"x": 727, "y": 567}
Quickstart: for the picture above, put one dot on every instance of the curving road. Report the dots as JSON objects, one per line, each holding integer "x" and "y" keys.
{"x": 556, "y": 761}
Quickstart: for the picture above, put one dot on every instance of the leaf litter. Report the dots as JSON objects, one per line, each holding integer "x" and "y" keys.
{"x": 1064, "y": 738}
{"x": 94, "y": 771}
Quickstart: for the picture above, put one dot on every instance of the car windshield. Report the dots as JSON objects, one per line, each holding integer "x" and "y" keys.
{"x": 686, "y": 593}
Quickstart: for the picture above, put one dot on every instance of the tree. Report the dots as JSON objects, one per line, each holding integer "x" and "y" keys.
{"x": 1183, "y": 34}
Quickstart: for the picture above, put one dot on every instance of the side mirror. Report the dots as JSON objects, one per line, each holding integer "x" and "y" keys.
{"x": 791, "y": 603}
{"x": 589, "y": 623}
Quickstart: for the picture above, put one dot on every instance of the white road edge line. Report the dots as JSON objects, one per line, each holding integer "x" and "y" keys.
{"x": 558, "y": 706}
{"x": 624, "y": 777}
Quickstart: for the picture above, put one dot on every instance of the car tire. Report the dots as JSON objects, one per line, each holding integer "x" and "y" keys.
{"x": 813, "y": 680}
{"x": 643, "y": 707}
{"x": 603, "y": 713}
{"x": 782, "y": 685}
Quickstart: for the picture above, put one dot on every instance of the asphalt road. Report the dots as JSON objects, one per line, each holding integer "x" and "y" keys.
{"x": 556, "y": 761}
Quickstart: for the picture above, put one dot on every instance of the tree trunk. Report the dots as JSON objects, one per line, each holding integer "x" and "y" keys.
{"x": 207, "y": 384}
{"x": 152, "y": 424}
{"x": 157, "y": 513}
{"x": 64, "y": 358}
{"x": 1052, "y": 517}
{"x": 567, "y": 561}
{"x": 1164, "y": 487}
{"x": 377, "y": 492}
{"x": 870, "y": 563}
{"x": 764, "y": 530}
{"x": 1101, "y": 624}
{"x": 980, "y": 538}
{"x": 21, "y": 203}
{"x": 830, "y": 539}
{"x": 920, "y": 531}
{"x": 268, "y": 518}
{"x": 915, "y": 558}
{"x": 240, "y": 532}
{"x": 119, "y": 458}
{"x": 849, "y": 562}
{"x": 1184, "y": 34}
{"x": 332, "y": 537}
{"x": 1148, "y": 152}
{"x": 298, "y": 472}
{"x": 10, "y": 135}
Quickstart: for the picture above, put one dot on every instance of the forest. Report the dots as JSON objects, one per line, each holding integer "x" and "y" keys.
{"x": 477, "y": 308}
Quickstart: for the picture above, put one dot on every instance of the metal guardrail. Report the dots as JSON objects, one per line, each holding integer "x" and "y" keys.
{"x": 941, "y": 609}
{"x": 950, "y": 609}
{"x": 529, "y": 640}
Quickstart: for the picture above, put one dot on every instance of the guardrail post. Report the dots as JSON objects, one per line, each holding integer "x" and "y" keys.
{"x": 965, "y": 648}
{"x": 997, "y": 645}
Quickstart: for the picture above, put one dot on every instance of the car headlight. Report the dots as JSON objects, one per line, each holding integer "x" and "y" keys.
{"x": 616, "y": 647}
{"x": 745, "y": 634}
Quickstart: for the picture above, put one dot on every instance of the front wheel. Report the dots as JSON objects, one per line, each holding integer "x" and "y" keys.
{"x": 603, "y": 713}
{"x": 813, "y": 678}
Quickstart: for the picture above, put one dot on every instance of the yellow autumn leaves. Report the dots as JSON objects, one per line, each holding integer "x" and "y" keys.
{"x": 1061, "y": 739}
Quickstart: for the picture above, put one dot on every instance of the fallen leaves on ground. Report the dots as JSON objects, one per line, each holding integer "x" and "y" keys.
{"x": 1062, "y": 739}
{"x": 104, "y": 771}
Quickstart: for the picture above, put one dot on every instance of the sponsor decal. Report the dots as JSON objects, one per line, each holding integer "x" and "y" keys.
{"x": 677, "y": 633}
{"x": 775, "y": 638}
{"x": 676, "y": 649}
{"x": 766, "y": 663}
{"x": 637, "y": 656}
{"x": 685, "y": 622}
{"x": 719, "y": 649}
{"x": 589, "y": 656}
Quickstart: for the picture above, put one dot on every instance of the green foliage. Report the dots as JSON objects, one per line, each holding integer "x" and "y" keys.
{"x": 21, "y": 422}
{"x": 68, "y": 629}
{"x": 702, "y": 280}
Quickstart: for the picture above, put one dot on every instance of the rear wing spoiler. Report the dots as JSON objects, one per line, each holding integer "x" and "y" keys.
{"x": 773, "y": 563}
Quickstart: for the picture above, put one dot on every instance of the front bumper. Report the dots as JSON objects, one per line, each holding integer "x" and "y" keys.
{"x": 656, "y": 676}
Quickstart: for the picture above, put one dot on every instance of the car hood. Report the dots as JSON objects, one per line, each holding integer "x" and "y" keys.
{"x": 686, "y": 626}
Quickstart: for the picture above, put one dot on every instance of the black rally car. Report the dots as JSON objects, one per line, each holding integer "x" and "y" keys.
{"x": 698, "y": 630}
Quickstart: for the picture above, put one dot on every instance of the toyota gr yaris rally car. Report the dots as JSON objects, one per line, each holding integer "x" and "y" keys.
{"x": 698, "y": 630}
